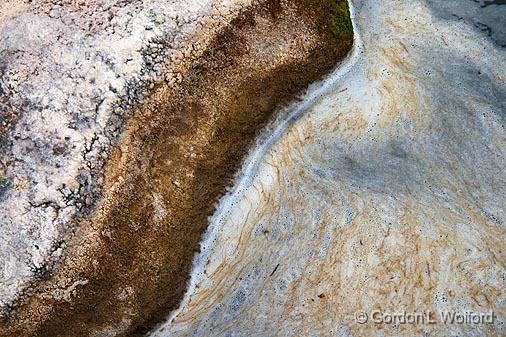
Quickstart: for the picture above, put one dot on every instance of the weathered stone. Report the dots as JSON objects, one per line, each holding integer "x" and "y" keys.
{"x": 122, "y": 124}
{"x": 386, "y": 195}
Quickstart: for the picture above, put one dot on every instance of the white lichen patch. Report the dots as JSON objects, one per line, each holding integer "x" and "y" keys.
{"x": 159, "y": 210}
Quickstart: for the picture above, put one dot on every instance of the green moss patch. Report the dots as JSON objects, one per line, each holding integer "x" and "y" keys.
{"x": 339, "y": 20}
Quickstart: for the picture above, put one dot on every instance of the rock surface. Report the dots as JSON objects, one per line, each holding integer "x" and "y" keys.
{"x": 122, "y": 122}
{"x": 70, "y": 74}
{"x": 382, "y": 190}
{"x": 386, "y": 195}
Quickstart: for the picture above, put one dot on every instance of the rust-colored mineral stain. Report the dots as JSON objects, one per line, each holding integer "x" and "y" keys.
{"x": 133, "y": 257}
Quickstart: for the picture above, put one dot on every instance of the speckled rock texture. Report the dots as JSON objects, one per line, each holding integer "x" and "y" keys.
{"x": 122, "y": 123}
{"x": 70, "y": 74}
{"x": 384, "y": 191}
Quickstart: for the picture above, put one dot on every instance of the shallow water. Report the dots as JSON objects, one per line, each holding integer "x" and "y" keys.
{"x": 384, "y": 190}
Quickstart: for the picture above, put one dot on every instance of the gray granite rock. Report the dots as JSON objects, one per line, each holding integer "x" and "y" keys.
{"x": 70, "y": 76}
